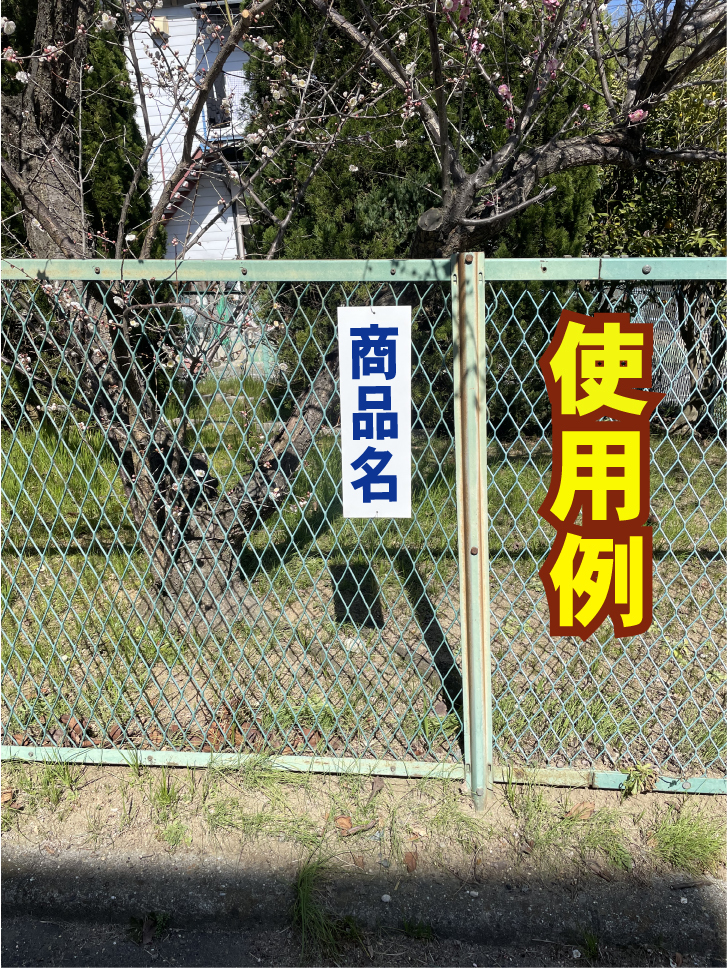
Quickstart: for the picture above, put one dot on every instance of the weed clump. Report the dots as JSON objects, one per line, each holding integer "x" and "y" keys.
{"x": 690, "y": 842}
{"x": 321, "y": 933}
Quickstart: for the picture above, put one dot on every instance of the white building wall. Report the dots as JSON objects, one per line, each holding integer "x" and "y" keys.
{"x": 197, "y": 211}
{"x": 165, "y": 100}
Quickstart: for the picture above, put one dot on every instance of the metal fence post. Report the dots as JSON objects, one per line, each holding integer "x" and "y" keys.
{"x": 468, "y": 305}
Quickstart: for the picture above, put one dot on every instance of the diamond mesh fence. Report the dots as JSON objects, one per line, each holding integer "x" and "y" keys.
{"x": 611, "y": 702}
{"x": 177, "y": 573}
{"x": 177, "y": 570}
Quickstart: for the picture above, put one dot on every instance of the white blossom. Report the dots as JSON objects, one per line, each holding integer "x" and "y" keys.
{"x": 411, "y": 67}
{"x": 352, "y": 168}
{"x": 8, "y": 26}
{"x": 402, "y": 38}
{"x": 279, "y": 59}
{"x": 22, "y": 77}
{"x": 131, "y": 237}
{"x": 400, "y": 144}
{"x": 108, "y": 22}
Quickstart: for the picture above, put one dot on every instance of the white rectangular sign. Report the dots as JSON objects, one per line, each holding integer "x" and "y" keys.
{"x": 374, "y": 345}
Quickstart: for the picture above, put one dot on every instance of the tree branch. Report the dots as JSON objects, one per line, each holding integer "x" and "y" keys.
{"x": 600, "y": 65}
{"x": 441, "y": 103}
{"x": 510, "y": 212}
{"x": 429, "y": 118}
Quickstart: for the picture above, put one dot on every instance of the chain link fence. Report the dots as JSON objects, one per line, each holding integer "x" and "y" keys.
{"x": 178, "y": 576}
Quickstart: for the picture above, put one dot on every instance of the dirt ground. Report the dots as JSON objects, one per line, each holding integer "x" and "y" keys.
{"x": 115, "y": 866}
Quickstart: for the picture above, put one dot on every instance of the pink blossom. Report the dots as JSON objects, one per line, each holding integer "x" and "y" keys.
{"x": 638, "y": 115}
{"x": 510, "y": 124}
{"x": 474, "y": 40}
{"x": 464, "y": 7}
{"x": 551, "y": 66}
{"x": 586, "y": 107}
{"x": 504, "y": 91}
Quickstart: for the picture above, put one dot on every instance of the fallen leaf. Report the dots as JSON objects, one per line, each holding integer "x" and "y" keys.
{"x": 75, "y": 729}
{"x": 440, "y": 708}
{"x": 599, "y": 870}
{"x": 359, "y": 829}
{"x": 582, "y": 811}
{"x": 678, "y": 960}
{"x": 377, "y": 785}
{"x": 148, "y": 930}
{"x": 410, "y": 859}
{"x": 526, "y": 846}
{"x": 250, "y": 737}
{"x": 685, "y": 885}
{"x": 7, "y": 797}
{"x": 20, "y": 739}
{"x": 359, "y": 861}
{"x": 343, "y": 823}
{"x": 115, "y": 733}
{"x": 155, "y": 737}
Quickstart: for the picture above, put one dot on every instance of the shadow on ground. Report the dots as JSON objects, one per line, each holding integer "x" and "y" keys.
{"x": 77, "y": 907}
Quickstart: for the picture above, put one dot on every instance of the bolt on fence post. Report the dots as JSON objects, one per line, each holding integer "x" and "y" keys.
{"x": 468, "y": 318}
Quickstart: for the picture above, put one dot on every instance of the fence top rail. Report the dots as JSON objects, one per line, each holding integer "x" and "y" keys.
{"x": 375, "y": 270}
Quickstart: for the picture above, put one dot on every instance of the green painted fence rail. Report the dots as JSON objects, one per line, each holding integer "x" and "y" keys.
{"x": 262, "y": 622}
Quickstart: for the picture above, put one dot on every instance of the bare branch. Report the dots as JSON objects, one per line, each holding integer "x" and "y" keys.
{"x": 508, "y": 213}
{"x": 441, "y": 103}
